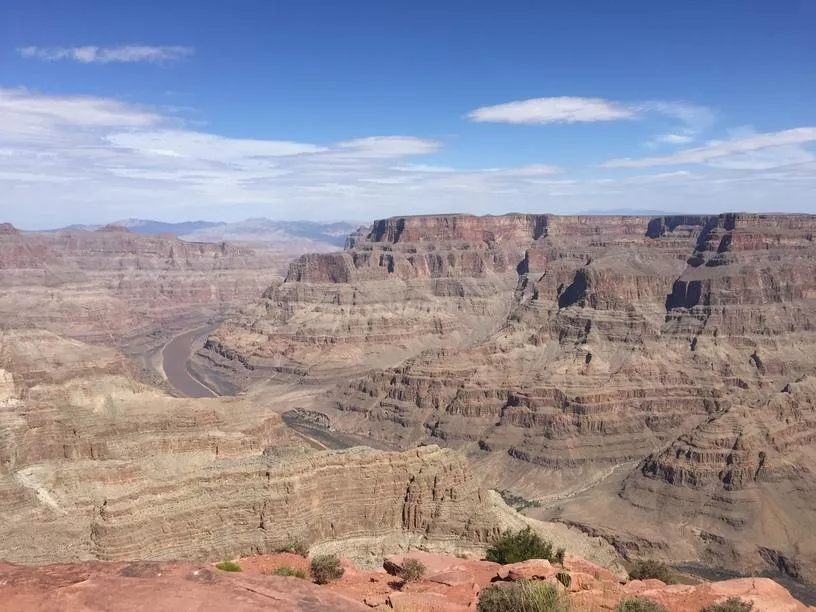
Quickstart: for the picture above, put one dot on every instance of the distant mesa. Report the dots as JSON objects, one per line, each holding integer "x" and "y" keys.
{"x": 112, "y": 228}
{"x": 8, "y": 229}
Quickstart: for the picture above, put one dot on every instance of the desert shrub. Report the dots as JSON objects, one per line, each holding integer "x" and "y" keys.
{"x": 732, "y": 604}
{"x": 649, "y": 568}
{"x": 512, "y": 547}
{"x": 285, "y": 570}
{"x": 412, "y": 570}
{"x": 639, "y": 604}
{"x": 296, "y": 547}
{"x": 564, "y": 578}
{"x": 560, "y": 555}
{"x": 326, "y": 568}
{"x": 521, "y": 596}
{"x": 228, "y": 566}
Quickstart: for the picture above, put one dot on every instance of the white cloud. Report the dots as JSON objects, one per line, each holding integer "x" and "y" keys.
{"x": 198, "y": 145}
{"x": 88, "y": 159}
{"x": 107, "y": 55}
{"x": 530, "y": 170}
{"x": 389, "y": 146}
{"x": 694, "y": 117}
{"x": 423, "y": 168}
{"x": 674, "y": 138}
{"x": 720, "y": 149}
{"x": 563, "y": 109}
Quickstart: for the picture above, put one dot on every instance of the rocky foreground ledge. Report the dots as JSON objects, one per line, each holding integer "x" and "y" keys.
{"x": 450, "y": 584}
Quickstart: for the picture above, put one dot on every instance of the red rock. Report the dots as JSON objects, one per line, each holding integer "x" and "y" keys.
{"x": 425, "y": 602}
{"x": 379, "y": 599}
{"x": 580, "y": 581}
{"x": 433, "y": 562}
{"x": 534, "y": 569}
{"x": 159, "y": 587}
{"x": 639, "y": 586}
{"x": 453, "y": 577}
{"x": 577, "y": 564}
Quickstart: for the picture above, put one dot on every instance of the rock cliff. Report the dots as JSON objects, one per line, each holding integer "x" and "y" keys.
{"x": 560, "y": 351}
{"x": 114, "y": 287}
{"x": 94, "y": 465}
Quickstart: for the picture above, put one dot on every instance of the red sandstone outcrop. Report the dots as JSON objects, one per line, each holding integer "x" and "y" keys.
{"x": 450, "y": 585}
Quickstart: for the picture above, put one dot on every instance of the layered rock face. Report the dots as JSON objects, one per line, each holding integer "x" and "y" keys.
{"x": 96, "y": 466}
{"x": 111, "y": 286}
{"x": 573, "y": 346}
{"x": 408, "y": 286}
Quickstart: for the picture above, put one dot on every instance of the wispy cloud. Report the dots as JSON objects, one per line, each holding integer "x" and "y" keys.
{"x": 107, "y": 55}
{"x": 673, "y": 138}
{"x": 552, "y": 110}
{"x": 691, "y": 119}
{"x": 721, "y": 149}
{"x": 389, "y": 146}
{"x": 87, "y": 159}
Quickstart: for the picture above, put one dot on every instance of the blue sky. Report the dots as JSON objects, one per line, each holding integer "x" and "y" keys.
{"x": 185, "y": 109}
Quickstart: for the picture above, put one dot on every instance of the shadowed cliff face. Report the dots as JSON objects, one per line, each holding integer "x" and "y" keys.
{"x": 555, "y": 350}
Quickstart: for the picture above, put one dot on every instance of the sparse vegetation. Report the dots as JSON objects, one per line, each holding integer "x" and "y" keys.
{"x": 521, "y": 596}
{"x": 295, "y": 547}
{"x": 646, "y": 569}
{"x": 564, "y": 578}
{"x": 512, "y": 547}
{"x": 639, "y": 604}
{"x": 326, "y": 568}
{"x": 228, "y": 566}
{"x": 560, "y": 555}
{"x": 732, "y": 604}
{"x": 412, "y": 570}
{"x": 517, "y": 502}
{"x": 285, "y": 570}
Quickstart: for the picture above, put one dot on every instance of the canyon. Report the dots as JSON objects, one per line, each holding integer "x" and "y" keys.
{"x": 624, "y": 373}
{"x": 178, "y": 402}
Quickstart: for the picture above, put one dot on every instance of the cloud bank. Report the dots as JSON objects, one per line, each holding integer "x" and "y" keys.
{"x": 107, "y": 55}
{"x": 82, "y": 159}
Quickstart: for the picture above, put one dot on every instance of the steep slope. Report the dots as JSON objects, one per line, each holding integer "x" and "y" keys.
{"x": 572, "y": 347}
{"x": 96, "y": 466}
{"x": 113, "y": 286}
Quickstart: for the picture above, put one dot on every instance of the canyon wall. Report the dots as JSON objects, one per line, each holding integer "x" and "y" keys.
{"x": 94, "y": 465}
{"x": 114, "y": 287}
{"x": 556, "y": 351}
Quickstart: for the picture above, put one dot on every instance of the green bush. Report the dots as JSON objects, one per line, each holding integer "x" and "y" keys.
{"x": 521, "y": 596}
{"x": 228, "y": 566}
{"x": 732, "y": 604}
{"x": 649, "y": 568}
{"x": 412, "y": 570}
{"x": 560, "y": 555}
{"x": 326, "y": 568}
{"x": 296, "y": 547}
{"x": 285, "y": 570}
{"x": 512, "y": 547}
{"x": 639, "y": 604}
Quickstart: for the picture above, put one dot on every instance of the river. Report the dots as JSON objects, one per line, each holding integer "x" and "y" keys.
{"x": 176, "y": 357}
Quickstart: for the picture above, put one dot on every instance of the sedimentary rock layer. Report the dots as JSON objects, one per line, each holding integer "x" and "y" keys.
{"x": 111, "y": 286}
{"x": 94, "y": 465}
{"x": 554, "y": 350}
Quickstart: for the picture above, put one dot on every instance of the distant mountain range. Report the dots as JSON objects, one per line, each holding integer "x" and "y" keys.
{"x": 293, "y": 235}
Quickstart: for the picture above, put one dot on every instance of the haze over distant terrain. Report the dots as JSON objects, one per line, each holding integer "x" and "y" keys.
{"x": 292, "y": 236}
